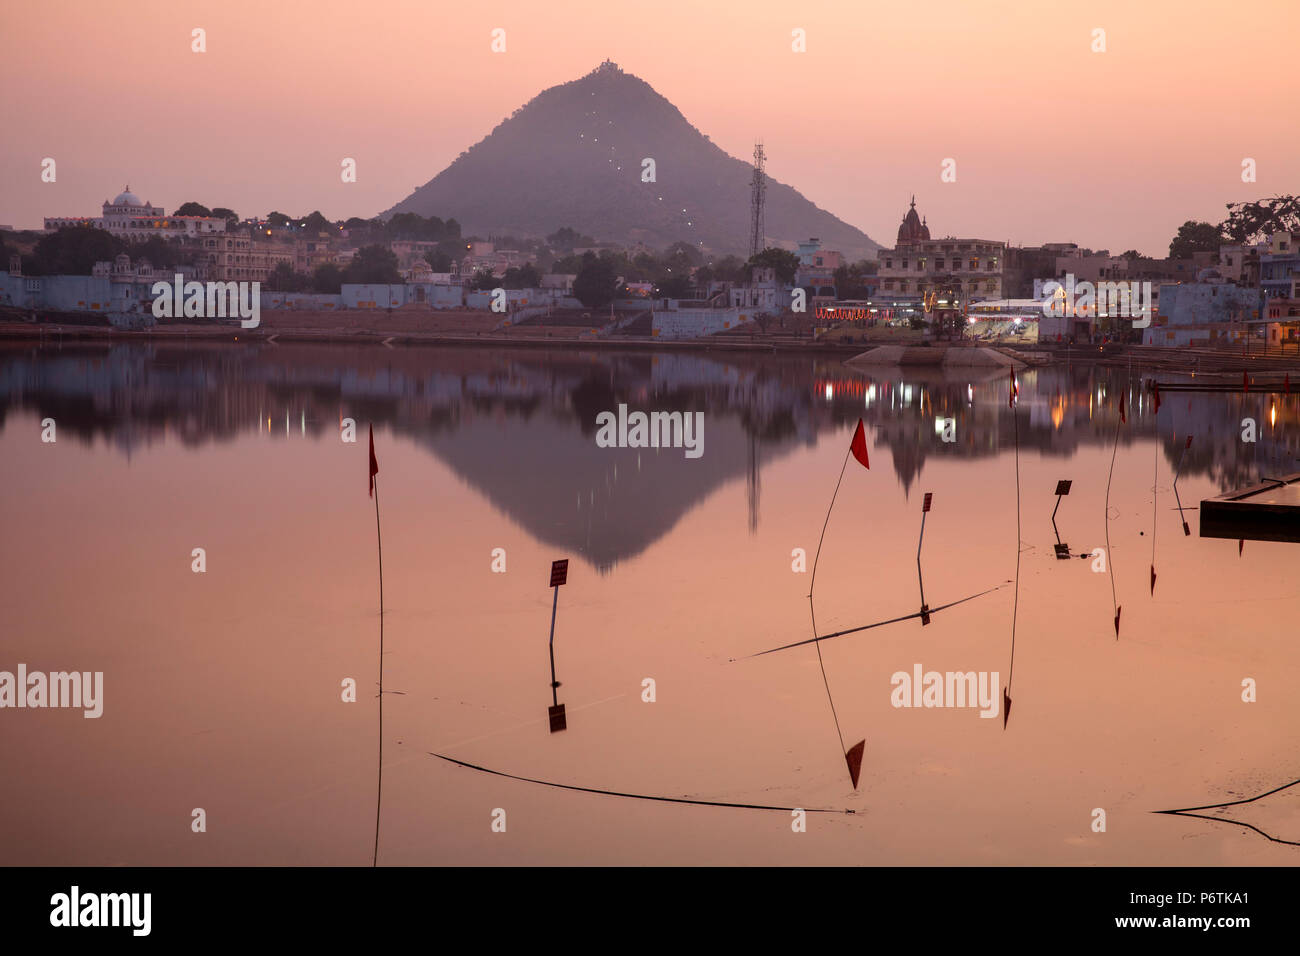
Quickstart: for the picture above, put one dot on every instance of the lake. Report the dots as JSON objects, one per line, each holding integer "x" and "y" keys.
{"x": 223, "y": 691}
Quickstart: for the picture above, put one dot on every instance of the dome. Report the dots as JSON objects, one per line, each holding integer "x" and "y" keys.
{"x": 912, "y": 229}
{"x": 127, "y": 198}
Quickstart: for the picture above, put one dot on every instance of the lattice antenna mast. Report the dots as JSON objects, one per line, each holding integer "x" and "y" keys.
{"x": 758, "y": 192}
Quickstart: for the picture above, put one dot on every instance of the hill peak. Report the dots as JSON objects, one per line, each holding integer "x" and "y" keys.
{"x": 613, "y": 158}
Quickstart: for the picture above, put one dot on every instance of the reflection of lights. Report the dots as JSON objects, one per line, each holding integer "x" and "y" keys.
{"x": 907, "y": 394}
{"x": 871, "y": 395}
{"x": 828, "y": 391}
{"x": 970, "y": 394}
{"x": 1272, "y": 415}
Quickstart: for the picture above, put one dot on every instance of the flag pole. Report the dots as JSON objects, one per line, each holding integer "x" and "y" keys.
{"x": 379, "y": 541}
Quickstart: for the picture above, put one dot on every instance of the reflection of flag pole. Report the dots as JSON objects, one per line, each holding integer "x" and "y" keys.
{"x": 555, "y": 713}
{"x": 374, "y": 493}
{"x": 1110, "y": 558}
{"x": 1012, "y": 393}
{"x": 858, "y": 449}
{"x": 925, "y": 509}
{"x": 1177, "y": 471}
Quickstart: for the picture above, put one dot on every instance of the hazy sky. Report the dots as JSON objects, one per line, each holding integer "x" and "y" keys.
{"x": 1052, "y": 141}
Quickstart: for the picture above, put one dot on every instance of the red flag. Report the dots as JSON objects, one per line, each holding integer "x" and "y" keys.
{"x": 374, "y": 463}
{"x": 1245, "y": 381}
{"x": 859, "y": 446}
{"x": 1241, "y": 545}
{"x": 1006, "y": 706}
{"x": 1117, "y": 613}
{"x": 854, "y": 759}
{"x": 1123, "y": 415}
{"x": 1153, "y": 579}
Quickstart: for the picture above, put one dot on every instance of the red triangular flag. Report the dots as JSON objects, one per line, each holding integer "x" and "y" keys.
{"x": 859, "y": 446}
{"x": 1006, "y": 706}
{"x": 1241, "y": 544}
{"x": 1117, "y": 612}
{"x": 854, "y": 760}
{"x": 1123, "y": 416}
{"x": 374, "y": 463}
{"x": 1153, "y": 579}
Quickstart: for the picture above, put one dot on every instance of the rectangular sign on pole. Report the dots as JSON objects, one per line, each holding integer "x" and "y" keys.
{"x": 559, "y": 572}
{"x": 556, "y": 715}
{"x": 925, "y": 505}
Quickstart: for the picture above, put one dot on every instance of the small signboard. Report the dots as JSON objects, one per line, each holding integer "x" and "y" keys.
{"x": 558, "y": 721}
{"x": 559, "y": 572}
{"x": 925, "y": 505}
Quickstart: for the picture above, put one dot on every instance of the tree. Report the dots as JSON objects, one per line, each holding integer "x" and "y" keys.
{"x": 596, "y": 284}
{"x": 221, "y": 212}
{"x": 1194, "y": 236}
{"x": 283, "y": 279}
{"x": 160, "y": 252}
{"x": 785, "y": 263}
{"x": 193, "y": 209}
{"x": 524, "y": 277}
{"x": 277, "y": 220}
{"x": 675, "y": 286}
{"x": 483, "y": 280}
{"x": 1130, "y": 254}
{"x": 438, "y": 260}
{"x": 1248, "y": 221}
{"x": 327, "y": 279}
{"x": 373, "y": 265}
{"x": 315, "y": 224}
{"x": 72, "y": 250}
{"x": 851, "y": 279}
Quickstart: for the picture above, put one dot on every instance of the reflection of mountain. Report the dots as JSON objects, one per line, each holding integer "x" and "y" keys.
{"x": 519, "y": 424}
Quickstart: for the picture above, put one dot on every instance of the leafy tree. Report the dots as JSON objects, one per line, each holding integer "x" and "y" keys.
{"x": 684, "y": 252}
{"x": 566, "y": 237}
{"x": 372, "y": 265}
{"x": 484, "y": 280}
{"x": 283, "y": 279}
{"x": 315, "y": 224}
{"x": 277, "y": 220}
{"x": 524, "y": 277}
{"x": 327, "y": 279}
{"x": 851, "y": 280}
{"x": 72, "y": 250}
{"x": 675, "y": 286}
{"x": 160, "y": 252}
{"x": 1195, "y": 236}
{"x": 785, "y": 263}
{"x": 1248, "y": 221}
{"x": 1133, "y": 254}
{"x": 438, "y": 260}
{"x": 569, "y": 265}
{"x": 596, "y": 284}
{"x": 193, "y": 209}
{"x": 221, "y": 212}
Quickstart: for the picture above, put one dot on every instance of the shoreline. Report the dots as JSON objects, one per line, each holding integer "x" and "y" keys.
{"x": 570, "y": 338}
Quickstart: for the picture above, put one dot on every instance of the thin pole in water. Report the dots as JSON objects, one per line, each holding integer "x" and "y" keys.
{"x": 379, "y": 789}
{"x": 554, "y": 684}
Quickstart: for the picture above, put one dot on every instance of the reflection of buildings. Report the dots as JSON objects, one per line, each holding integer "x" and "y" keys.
{"x": 519, "y": 425}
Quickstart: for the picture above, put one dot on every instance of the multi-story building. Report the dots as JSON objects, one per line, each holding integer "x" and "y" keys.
{"x": 1279, "y": 263}
{"x": 919, "y": 266}
{"x": 127, "y": 217}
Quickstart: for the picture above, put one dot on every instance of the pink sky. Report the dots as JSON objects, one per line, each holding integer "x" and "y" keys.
{"x": 1053, "y": 142}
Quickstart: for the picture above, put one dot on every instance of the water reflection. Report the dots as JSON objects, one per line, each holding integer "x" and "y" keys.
{"x": 519, "y": 426}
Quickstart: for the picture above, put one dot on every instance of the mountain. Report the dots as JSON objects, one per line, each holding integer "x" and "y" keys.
{"x": 573, "y": 155}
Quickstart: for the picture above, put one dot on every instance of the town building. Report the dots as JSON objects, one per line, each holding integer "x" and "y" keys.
{"x": 130, "y": 218}
{"x": 920, "y": 267}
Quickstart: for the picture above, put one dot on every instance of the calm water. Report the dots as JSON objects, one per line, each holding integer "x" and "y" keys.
{"x": 222, "y": 690}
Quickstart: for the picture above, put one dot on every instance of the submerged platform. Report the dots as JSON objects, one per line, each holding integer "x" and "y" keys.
{"x": 1268, "y": 511}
